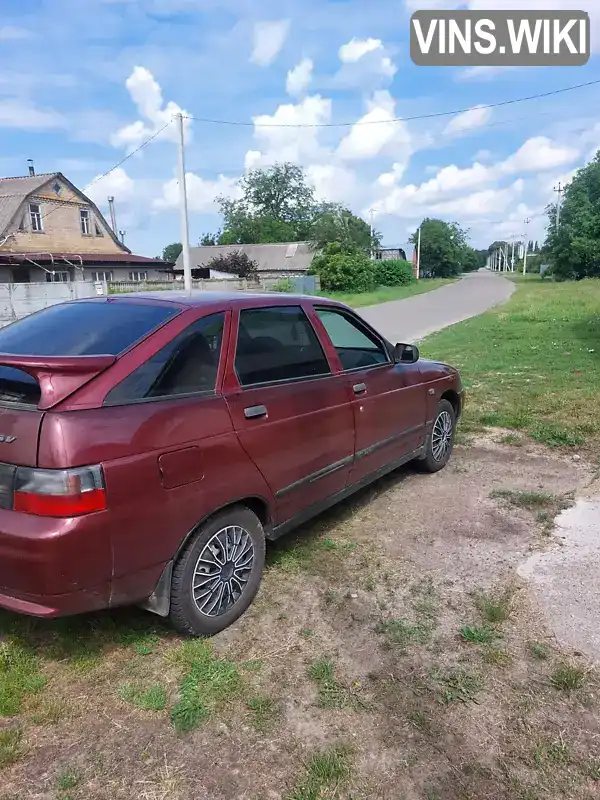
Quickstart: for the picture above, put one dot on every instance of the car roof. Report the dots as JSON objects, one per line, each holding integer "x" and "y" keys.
{"x": 200, "y": 298}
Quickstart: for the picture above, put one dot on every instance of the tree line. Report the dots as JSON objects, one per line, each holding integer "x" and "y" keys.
{"x": 277, "y": 204}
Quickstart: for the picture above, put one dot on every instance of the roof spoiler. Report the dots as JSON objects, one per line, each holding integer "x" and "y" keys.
{"x": 58, "y": 376}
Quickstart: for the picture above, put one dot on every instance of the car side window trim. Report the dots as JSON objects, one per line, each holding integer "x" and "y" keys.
{"x": 283, "y": 381}
{"x": 364, "y": 328}
{"x": 168, "y": 398}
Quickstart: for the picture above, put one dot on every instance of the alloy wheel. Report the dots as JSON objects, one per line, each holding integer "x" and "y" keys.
{"x": 441, "y": 438}
{"x": 222, "y": 571}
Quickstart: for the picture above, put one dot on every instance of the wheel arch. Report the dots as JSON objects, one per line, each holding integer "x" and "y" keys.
{"x": 160, "y": 599}
{"x": 453, "y": 398}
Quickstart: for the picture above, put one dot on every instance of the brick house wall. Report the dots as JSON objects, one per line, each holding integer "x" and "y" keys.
{"x": 60, "y": 208}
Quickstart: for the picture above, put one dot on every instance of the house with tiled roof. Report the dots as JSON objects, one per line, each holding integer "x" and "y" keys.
{"x": 51, "y": 231}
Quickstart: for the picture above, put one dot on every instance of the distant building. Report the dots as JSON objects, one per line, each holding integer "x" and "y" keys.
{"x": 390, "y": 254}
{"x": 50, "y": 231}
{"x": 273, "y": 260}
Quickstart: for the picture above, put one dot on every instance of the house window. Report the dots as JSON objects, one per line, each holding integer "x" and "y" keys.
{"x": 98, "y": 229}
{"x": 35, "y": 215}
{"x": 138, "y": 276}
{"x": 57, "y": 277}
{"x": 56, "y": 188}
{"x": 84, "y": 217}
{"x": 102, "y": 276}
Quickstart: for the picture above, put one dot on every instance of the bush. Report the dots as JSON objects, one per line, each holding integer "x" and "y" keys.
{"x": 344, "y": 270}
{"x": 285, "y": 285}
{"x": 394, "y": 273}
{"x": 235, "y": 263}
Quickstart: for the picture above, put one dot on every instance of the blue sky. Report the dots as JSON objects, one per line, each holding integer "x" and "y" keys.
{"x": 84, "y": 83}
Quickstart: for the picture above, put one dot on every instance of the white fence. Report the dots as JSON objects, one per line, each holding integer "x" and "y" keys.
{"x": 20, "y": 299}
{"x": 304, "y": 284}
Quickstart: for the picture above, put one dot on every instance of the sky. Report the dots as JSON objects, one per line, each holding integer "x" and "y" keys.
{"x": 84, "y": 84}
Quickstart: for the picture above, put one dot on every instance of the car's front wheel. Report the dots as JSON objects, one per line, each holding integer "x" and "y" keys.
{"x": 440, "y": 442}
{"x": 217, "y": 575}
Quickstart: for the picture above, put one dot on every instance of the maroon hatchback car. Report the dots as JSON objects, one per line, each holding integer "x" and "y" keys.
{"x": 149, "y": 444}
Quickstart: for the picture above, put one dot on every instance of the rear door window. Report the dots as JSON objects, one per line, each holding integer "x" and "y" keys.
{"x": 84, "y": 328}
{"x": 277, "y": 344}
{"x": 17, "y": 386}
{"x": 187, "y": 365}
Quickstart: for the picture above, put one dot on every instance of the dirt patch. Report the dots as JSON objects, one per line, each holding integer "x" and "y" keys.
{"x": 393, "y": 652}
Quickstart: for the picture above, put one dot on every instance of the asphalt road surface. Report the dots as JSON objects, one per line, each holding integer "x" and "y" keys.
{"x": 409, "y": 320}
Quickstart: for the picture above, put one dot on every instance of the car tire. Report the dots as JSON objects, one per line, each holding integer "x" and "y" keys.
{"x": 218, "y": 573}
{"x": 440, "y": 442}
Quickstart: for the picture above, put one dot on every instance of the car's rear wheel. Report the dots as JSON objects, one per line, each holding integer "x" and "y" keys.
{"x": 440, "y": 442}
{"x": 218, "y": 573}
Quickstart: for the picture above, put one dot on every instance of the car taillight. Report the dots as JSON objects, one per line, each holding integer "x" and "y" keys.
{"x": 59, "y": 493}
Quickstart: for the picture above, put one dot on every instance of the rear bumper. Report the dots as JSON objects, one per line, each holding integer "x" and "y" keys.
{"x": 50, "y": 567}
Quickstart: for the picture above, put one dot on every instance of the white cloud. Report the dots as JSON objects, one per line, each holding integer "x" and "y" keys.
{"x": 537, "y": 154}
{"x": 355, "y": 49}
{"x": 376, "y": 132}
{"x": 9, "y": 33}
{"x": 364, "y": 61}
{"x": 269, "y": 38}
{"x": 201, "y": 193}
{"x": 300, "y": 145}
{"x": 299, "y": 78}
{"x": 482, "y": 73}
{"x": 23, "y": 115}
{"x": 332, "y": 182}
{"x": 469, "y": 120}
{"x": 117, "y": 184}
{"x": 148, "y": 98}
{"x": 488, "y": 201}
{"x": 388, "y": 179}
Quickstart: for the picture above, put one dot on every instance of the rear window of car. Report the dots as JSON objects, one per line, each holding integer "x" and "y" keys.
{"x": 83, "y": 329}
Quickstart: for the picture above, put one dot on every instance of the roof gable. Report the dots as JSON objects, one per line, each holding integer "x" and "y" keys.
{"x": 15, "y": 191}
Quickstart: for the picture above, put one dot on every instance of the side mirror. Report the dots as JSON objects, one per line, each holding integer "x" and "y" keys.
{"x": 406, "y": 354}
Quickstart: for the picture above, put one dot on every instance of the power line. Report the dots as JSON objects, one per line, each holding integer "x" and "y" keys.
{"x": 395, "y": 119}
{"x": 113, "y": 168}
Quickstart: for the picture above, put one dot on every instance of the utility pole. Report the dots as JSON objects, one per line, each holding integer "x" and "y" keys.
{"x": 527, "y": 221}
{"x": 183, "y": 210}
{"x": 371, "y": 212}
{"x": 419, "y": 253}
{"x": 559, "y": 190}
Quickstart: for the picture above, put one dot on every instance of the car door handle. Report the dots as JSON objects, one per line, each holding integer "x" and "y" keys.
{"x": 253, "y": 412}
{"x": 359, "y": 388}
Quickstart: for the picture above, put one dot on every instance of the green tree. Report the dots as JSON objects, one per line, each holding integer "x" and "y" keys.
{"x": 444, "y": 248}
{"x": 573, "y": 247}
{"x": 171, "y": 252}
{"x": 333, "y": 222}
{"x": 277, "y": 205}
{"x": 209, "y": 239}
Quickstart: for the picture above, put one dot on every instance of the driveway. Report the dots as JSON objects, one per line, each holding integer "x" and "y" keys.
{"x": 411, "y": 319}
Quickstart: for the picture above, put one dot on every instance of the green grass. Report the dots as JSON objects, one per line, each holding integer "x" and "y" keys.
{"x": 548, "y": 754}
{"x": 385, "y": 294}
{"x": 400, "y": 633}
{"x": 529, "y": 500}
{"x": 209, "y": 683}
{"x": 539, "y": 651}
{"x": 323, "y": 774}
{"x": 330, "y": 693}
{"x": 68, "y": 778}
{"x": 532, "y": 364}
{"x": 457, "y": 685}
{"x": 495, "y": 607}
{"x": 20, "y": 676}
{"x": 479, "y": 635}
{"x": 309, "y": 553}
{"x": 265, "y": 712}
{"x": 10, "y": 746}
{"x": 568, "y": 677}
{"x": 152, "y": 699}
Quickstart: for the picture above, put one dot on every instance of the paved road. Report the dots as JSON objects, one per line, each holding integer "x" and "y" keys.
{"x": 411, "y": 319}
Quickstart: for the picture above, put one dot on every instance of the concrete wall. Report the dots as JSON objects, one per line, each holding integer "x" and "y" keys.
{"x": 62, "y": 225}
{"x": 302, "y": 284}
{"x": 17, "y": 300}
